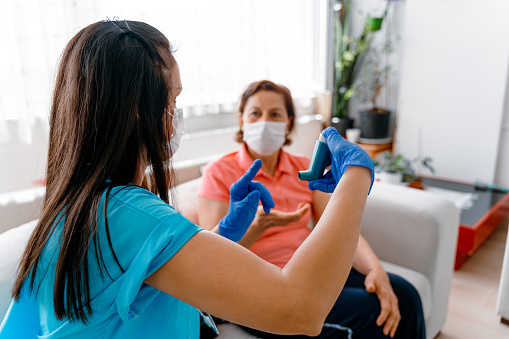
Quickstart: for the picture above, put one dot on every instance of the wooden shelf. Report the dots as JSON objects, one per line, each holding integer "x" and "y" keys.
{"x": 374, "y": 149}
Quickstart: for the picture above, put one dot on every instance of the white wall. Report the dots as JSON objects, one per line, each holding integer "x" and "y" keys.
{"x": 453, "y": 82}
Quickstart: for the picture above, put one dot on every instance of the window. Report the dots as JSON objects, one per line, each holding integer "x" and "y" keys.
{"x": 222, "y": 46}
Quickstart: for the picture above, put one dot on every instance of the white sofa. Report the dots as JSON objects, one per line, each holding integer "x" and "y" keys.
{"x": 412, "y": 231}
{"x": 503, "y": 289}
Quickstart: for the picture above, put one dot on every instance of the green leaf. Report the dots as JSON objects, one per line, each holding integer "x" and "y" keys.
{"x": 348, "y": 56}
{"x": 349, "y": 93}
{"x": 373, "y": 24}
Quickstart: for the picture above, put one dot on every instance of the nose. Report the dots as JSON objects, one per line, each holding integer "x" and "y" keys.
{"x": 265, "y": 116}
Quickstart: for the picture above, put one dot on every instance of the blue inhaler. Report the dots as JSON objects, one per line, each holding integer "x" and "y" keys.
{"x": 319, "y": 160}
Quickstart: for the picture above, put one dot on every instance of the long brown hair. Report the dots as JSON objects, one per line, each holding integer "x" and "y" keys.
{"x": 107, "y": 111}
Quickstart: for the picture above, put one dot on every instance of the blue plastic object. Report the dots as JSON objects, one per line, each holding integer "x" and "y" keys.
{"x": 319, "y": 161}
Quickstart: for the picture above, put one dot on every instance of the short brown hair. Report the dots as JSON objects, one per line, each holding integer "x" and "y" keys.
{"x": 267, "y": 85}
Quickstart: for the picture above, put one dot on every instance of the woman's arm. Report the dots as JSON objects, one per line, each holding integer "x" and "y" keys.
{"x": 365, "y": 260}
{"x": 211, "y": 211}
{"x": 377, "y": 281}
{"x": 220, "y": 277}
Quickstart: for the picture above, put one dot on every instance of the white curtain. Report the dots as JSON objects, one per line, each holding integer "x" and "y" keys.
{"x": 222, "y": 46}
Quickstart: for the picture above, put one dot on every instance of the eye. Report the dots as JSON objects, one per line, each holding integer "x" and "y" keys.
{"x": 254, "y": 114}
{"x": 276, "y": 114}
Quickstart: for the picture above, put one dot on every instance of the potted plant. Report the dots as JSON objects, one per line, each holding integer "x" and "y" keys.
{"x": 349, "y": 56}
{"x": 374, "y": 122}
{"x": 396, "y": 169}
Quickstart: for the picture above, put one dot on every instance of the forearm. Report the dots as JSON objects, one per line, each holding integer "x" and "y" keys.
{"x": 322, "y": 263}
{"x": 365, "y": 259}
{"x": 252, "y": 235}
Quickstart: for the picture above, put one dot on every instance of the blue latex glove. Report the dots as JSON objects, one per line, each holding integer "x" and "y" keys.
{"x": 244, "y": 197}
{"x": 343, "y": 154}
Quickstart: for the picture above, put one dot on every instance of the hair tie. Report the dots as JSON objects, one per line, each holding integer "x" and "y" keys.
{"x": 114, "y": 24}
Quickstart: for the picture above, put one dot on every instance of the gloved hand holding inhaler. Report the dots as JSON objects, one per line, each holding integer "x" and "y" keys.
{"x": 342, "y": 154}
{"x": 245, "y": 195}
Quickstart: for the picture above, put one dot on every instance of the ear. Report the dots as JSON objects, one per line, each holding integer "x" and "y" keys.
{"x": 290, "y": 119}
{"x": 241, "y": 121}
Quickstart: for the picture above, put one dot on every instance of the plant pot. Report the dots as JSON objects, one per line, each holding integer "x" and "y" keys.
{"x": 374, "y": 124}
{"x": 417, "y": 183}
{"x": 342, "y": 124}
{"x": 391, "y": 177}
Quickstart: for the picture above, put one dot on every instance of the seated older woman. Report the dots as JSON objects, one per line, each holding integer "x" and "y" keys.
{"x": 373, "y": 303}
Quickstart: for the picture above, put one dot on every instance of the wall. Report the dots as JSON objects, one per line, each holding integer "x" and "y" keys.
{"x": 450, "y": 66}
{"x": 453, "y": 85}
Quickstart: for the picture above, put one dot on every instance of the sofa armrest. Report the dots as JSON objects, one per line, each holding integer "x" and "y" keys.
{"x": 417, "y": 230}
{"x": 410, "y": 227}
{"x": 12, "y": 245}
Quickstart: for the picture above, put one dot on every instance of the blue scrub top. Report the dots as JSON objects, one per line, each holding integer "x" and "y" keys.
{"x": 145, "y": 233}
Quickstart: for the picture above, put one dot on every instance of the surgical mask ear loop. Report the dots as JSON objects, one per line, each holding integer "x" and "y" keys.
{"x": 177, "y": 123}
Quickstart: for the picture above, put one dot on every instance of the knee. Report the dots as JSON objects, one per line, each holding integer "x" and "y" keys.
{"x": 360, "y": 307}
{"x": 404, "y": 290}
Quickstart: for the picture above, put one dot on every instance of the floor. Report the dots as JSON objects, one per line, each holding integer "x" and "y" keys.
{"x": 472, "y": 304}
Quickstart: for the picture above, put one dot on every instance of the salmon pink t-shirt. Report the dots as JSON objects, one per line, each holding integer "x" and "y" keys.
{"x": 277, "y": 244}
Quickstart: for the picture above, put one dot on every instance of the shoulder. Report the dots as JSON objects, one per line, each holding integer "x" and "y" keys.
{"x": 135, "y": 215}
{"x": 226, "y": 162}
{"x": 226, "y": 169}
{"x": 138, "y": 203}
{"x": 217, "y": 177}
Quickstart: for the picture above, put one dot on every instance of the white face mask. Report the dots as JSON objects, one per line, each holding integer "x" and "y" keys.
{"x": 177, "y": 122}
{"x": 265, "y": 137}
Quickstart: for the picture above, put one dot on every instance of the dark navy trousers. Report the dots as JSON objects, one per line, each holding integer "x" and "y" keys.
{"x": 355, "y": 312}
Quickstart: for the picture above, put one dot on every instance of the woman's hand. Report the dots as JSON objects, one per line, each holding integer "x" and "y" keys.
{"x": 343, "y": 155}
{"x": 245, "y": 194}
{"x": 377, "y": 281}
{"x": 265, "y": 221}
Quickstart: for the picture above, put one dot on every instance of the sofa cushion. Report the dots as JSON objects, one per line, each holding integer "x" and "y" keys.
{"x": 19, "y": 207}
{"x": 12, "y": 245}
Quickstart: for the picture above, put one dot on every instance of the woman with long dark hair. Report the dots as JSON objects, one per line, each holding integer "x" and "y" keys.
{"x": 111, "y": 258}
